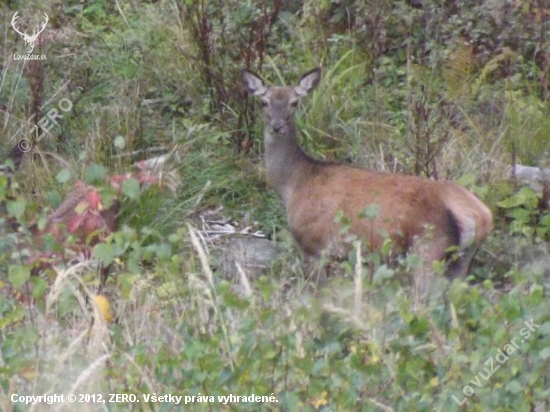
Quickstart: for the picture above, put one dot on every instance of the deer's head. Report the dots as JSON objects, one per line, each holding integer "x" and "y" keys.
{"x": 279, "y": 103}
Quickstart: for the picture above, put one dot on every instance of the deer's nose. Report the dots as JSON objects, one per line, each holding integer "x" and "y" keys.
{"x": 278, "y": 127}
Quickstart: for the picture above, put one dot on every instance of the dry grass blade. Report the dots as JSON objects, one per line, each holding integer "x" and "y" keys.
{"x": 91, "y": 372}
{"x": 358, "y": 282}
{"x": 380, "y": 405}
{"x": 210, "y": 277}
{"x": 244, "y": 281}
{"x": 202, "y": 256}
{"x": 62, "y": 280}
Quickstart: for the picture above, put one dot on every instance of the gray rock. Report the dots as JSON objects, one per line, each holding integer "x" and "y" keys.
{"x": 254, "y": 255}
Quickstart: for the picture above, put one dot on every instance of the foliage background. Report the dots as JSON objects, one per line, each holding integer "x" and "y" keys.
{"x": 444, "y": 89}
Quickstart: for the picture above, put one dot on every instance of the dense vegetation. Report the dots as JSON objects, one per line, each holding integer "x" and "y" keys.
{"x": 445, "y": 89}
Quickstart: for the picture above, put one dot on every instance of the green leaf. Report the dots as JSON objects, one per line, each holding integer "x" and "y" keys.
{"x": 544, "y": 328}
{"x": 40, "y": 286}
{"x": 383, "y": 272}
{"x": 466, "y": 180}
{"x": 126, "y": 282}
{"x": 386, "y": 246}
{"x": 419, "y": 326}
{"x": 120, "y": 142}
{"x": 134, "y": 261}
{"x": 54, "y": 198}
{"x": 524, "y": 197}
{"x": 544, "y": 354}
{"x": 545, "y": 220}
{"x": 95, "y": 173}
{"x": 3, "y": 186}
{"x": 515, "y": 387}
{"x": 234, "y": 301}
{"x": 12, "y": 317}
{"x": 108, "y": 196}
{"x": 63, "y": 176}
{"x": 370, "y": 212}
{"x": 18, "y": 275}
{"x": 105, "y": 252}
{"x": 16, "y": 208}
{"x": 163, "y": 251}
{"x": 130, "y": 188}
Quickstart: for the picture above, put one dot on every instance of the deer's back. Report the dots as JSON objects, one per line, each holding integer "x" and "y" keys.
{"x": 408, "y": 205}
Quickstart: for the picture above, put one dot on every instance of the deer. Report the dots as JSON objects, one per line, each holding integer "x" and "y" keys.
{"x": 30, "y": 41}
{"x": 438, "y": 220}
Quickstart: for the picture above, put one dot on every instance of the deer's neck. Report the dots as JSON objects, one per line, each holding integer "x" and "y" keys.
{"x": 286, "y": 163}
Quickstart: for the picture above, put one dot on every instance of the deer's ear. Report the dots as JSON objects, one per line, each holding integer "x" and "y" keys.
{"x": 308, "y": 82}
{"x": 253, "y": 83}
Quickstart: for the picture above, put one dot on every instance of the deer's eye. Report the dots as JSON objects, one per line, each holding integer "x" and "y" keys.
{"x": 263, "y": 103}
{"x": 294, "y": 103}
